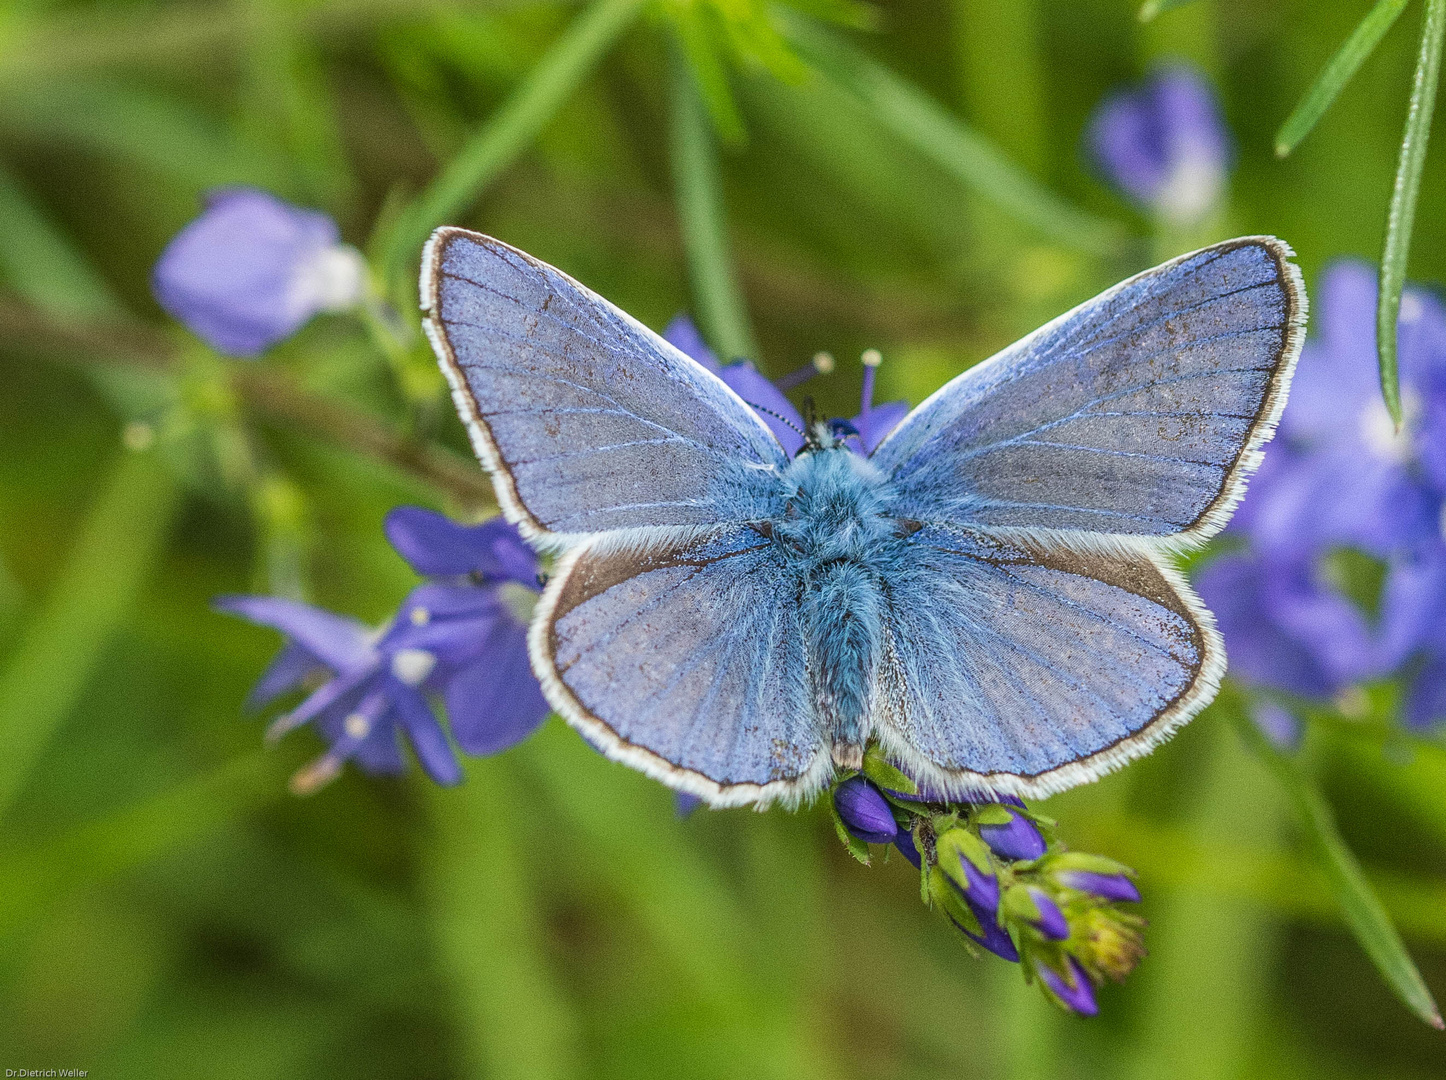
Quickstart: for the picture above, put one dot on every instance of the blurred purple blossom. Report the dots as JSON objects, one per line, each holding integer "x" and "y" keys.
{"x": 1164, "y": 144}
{"x": 251, "y": 269}
{"x": 768, "y": 400}
{"x": 1105, "y": 886}
{"x": 1052, "y": 922}
{"x": 462, "y": 635}
{"x": 1340, "y": 478}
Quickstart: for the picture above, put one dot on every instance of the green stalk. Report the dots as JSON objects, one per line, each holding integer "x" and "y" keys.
{"x": 119, "y": 544}
{"x": 1211, "y": 955}
{"x": 517, "y": 1023}
{"x": 499, "y": 141}
{"x": 698, "y": 190}
{"x": 1364, "y": 913}
{"x": 1337, "y": 72}
{"x": 1401, "y": 217}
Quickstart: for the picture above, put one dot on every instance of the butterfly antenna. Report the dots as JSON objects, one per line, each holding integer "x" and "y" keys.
{"x": 785, "y": 421}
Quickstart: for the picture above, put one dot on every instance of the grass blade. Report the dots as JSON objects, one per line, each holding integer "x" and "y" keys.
{"x": 1151, "y": 9}
{"x": 721, "y": 309}
{"x": 1337, "y": 72}
{"x": 932, "y": 130}
{"x": 498, "y": 142}
{"x": 1401, "y": 218}
{"x": 1363, "y": 911}
{"x": 516, "y": 1020}
{"x": 45, "y": 872}
{"x": 41, "y": 264}
{"x": 47, "y": 671}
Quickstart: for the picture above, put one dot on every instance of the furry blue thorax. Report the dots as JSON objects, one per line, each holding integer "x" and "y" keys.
{"x": 839, "y": 541}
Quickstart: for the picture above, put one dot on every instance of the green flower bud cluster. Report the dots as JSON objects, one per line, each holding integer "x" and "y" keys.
{"x": 998, "y": 871}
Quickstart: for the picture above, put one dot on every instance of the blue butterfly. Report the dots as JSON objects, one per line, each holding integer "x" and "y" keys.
{"x": 989, "y": 595}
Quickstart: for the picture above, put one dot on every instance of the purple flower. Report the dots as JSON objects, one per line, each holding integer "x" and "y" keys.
{"x": 1164, "y": 144}
{"x": 1051, "y": 922}
{"x": 864, "y": 811}
{"x": 1339, "y": 477}
{"x": 251, "y": 269}
{"x": 767, "y": 399}
{"x": 1277, "y": 724}
{"x": 1017, "y": 840}
{"x": 981, "y": 889}
{"x": 461, "y": 635}
{"x": 1105, "y": 886}
{"x": 1074, "y": 992}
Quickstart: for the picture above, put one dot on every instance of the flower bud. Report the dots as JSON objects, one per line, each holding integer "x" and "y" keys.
{"x": 865, "y": 812}
{"x": 994, "y": 937}
{"x": 905, "y": 843}
{"x": 1019, "y": 839}
{"x": 1105, "y": 886}
{"x": 1051, "y": 922}
{"x": 1073, "y": 991}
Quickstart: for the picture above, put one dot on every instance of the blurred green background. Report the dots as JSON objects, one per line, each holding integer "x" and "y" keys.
{"x": 168, "y": 909}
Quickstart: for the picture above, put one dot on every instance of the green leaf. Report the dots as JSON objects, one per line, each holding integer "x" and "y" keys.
{"x": 119, "y": 543}
{"x": 722, "y": 314}
{"x": 1151, "y": 9}
{"x": 1401, "y": 217}
{"x": 499, "y": 141}
{"x": 41, "y": 264}
{"x": 935, "y": 132}
{"x": 1337, "y": 72}
{"x": 710, "y": 73}
{"x": 1363, "y": 911}
{"x": 1084, "y": 860}
{"x": 993, "y": 814}
{"x": 943, "y": 893}
{"x": 878, "y": 769}
{"x": 1019, "y": 904}
{"x": 965, "y": 843}
{"x": 856, "y": 847}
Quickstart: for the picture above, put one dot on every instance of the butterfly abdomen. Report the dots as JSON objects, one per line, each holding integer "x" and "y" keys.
{"x": 841, "y": 619}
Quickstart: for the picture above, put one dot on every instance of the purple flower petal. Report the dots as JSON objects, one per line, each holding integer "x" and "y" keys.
{"x": 683, "y": 335}
{"x": 495, "y": 702}
{"x": 1105, "y": 886}
{"x": 995, "y": 938}
{"x": 878, "y": 422}
{"x": 1164, "y": 145}
{"x": 865, "y": 813}
{"x": 904, "y": 841}
{"x": 684, "y": 804}
{"x": 420, "y": 723}
{"x": 1020, "y": 839}
{"x": 982, "y": 889}
{"x": 341, "y": 644}
{"x": 768, "y": 402}
{"x": 436, "y": 545}
{"x": 1426, "y": 695}
{"x": 251, "y": 269}
{"x": 1052, "y": 923}
{"x": 1075, "y": 992}
{"x": 1278, "y": 724}
{"x": 291, "y": 667}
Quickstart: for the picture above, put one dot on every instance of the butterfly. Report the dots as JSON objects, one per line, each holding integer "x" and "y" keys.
{"x": 989, "y": 595}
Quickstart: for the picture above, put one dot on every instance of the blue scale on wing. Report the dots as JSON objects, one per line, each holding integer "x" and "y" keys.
{"x": 1006, "y": 659}
{"x": 1128, "y": 415}
{"x": 597, "y": 422}
{"x": 692, "y": 653}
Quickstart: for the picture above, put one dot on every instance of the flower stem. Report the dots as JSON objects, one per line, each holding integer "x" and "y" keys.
{"x": 721, "y": 309}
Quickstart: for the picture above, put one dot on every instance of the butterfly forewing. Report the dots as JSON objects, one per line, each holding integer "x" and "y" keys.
{"x": 1138, "y": 413}
{"x": 588, "y": 421}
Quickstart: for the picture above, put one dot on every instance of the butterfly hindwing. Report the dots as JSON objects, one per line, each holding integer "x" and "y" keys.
{"x": 685, "y": 660}
{"x": 1013, "y": 667}
{"x": 588, "y": 421}
{"x": 1140, "y": 412}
